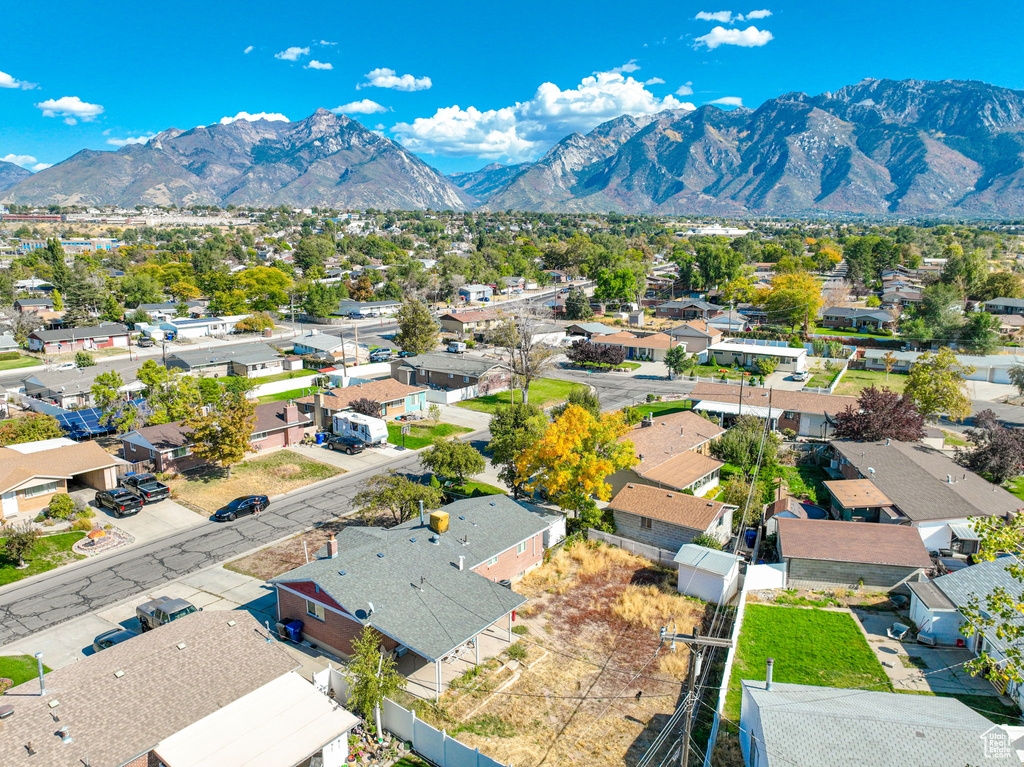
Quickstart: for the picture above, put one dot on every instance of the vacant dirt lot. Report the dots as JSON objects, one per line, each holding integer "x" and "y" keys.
{"x": 287, "y": 555}
{"x": 591, "y": 645}
{"x": 271, "y": 474}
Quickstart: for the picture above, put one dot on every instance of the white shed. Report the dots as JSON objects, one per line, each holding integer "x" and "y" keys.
{"x": 707, "y": 574}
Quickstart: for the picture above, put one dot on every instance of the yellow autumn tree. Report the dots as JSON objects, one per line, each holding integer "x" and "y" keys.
{"x": 795, "y": 298}
{"x": 573, "y": 459}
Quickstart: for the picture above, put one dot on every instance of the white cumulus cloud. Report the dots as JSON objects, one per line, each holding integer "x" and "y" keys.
{"x": 526, "y": 129}
{"x": 271, "y": 116}
{"x": 629, "y": 66}
{"x": 751, "y": 37}
{"x": 685, "y": 90}
{"x": 292, "y": 54}
{"x": 383, "y": 77}
{"x": 248, "y": 49}
{"x": 654, "y": 81}
{"x": 71, "y": 108}
{"x": 325, "y": 42}
{"x": 723, "y": 17}
{"x": 361, "y": 107}
{"x": 764, "y": 13}
{"x": 19, "y": 159}
{"x": 130, "y": 140}
{"x": 8, "y": 81}
{"x": 41, "y": 166}
{"x": 728, "y": 101}
{"x": 314, "y": 64}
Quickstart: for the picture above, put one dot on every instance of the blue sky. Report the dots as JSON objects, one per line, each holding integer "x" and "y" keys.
{"x": 461, "y": 84}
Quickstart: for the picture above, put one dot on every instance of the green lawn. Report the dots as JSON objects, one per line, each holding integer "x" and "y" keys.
{"x": 470, "y": 487}
{"x": 655, "y": 409}
{"x": 807, "y": 482}
{"x": 422, "y": 433}
{"x": 810, "y": 646}
{"x": 20, "y": 668}
{"x": 21, "y": 362}
{"x": 715, "y": 371}
{"x": 543, "y": 392}
{"x": 817, "y": 330}
{"x": 285, "y": 376}
{"x": 1016, "y": 486}
{"x": 50, "y": 551}
{"x": 854, "y": 380}
{"x": 290, "y": 394}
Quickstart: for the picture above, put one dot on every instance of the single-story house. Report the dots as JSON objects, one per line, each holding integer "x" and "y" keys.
{"x": 33, "y": 305}
{"x": 994, "y": 368}
{"x": 789, "y": 507}
{"x": 1005, "y": 306}
{"x": 254, "y": 359}
{"x": 939, "y": 609}
{"x": 514, "y": 283}
{"x": 169, "y": 447}
{"x": 469, "y": 322}
{"x": 667, "y": 518}
{"x": 395, "y": 399}
{"x": 747, "y": 353}
{"x": 547, "y": 333}
{"x": 475, "y": 292}
{"x": 8, "y": 342}
{"x": 651, "y": 347}
{"x": 433, "y": 589}
{"x": 785, "y": 725}
{"x": 928, "y": 490}
{"x": 686, "y": 309}
{"x": 358, "y": 309}
{"x": 245, "y": 703}
{"x": 67, "y": 388}
{"x": 674, "y": 453}
{"x": 859, "y": 500}
{"x": 901, "y": 298}
{"x": 558, "y": 276}
{"x": 451, "y": 371}
{"x": 200, "y": 327}
{"x": 696, "y": 335}
{"x": 589, "y": 329}
{"x": 859, "y": 319}
{"x": 328, "y": 344}
{"x": 168, "y": 309}
{"x": 729, "y": 324}
{"x": 826, "y": 554}
{"x": 805, "y": 413}
{"x": 707, "y": 574}
{"x": 33, "y": 472}
{"x": 1011, "y": 324}
{"x": 103, "y": 336}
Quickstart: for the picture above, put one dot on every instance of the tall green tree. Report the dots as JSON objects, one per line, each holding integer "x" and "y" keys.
{"x": 935, "y": 385}
{"x": 577, "y": 305}
{"x": 418, "y": 331}
{"x": 374, "y": 674}
{"x": 222, "y": 435}
{"x": 30, "y": 428}
{"x": 453, "y": 459}
{"x": 396, "y": 496}
{"x": 55, "y": 258}
{"x": 116, "y": 411}
{"x": 514, "y": 429}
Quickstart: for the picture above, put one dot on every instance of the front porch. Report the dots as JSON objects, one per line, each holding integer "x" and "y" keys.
{"x": 428, "y": 680}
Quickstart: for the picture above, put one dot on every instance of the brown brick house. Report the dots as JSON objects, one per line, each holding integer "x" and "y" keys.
{"x": 451, "y": 371}
{"x": 805, "y": 413}
{"x": 668, "y": 519}
{"x": 428, "y": 593}
{"x": 687, "y": 309}
{"x": 394, "y": 397}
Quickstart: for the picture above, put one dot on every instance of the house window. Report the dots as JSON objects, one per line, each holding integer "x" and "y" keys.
{"x": 451, "y": 375}
{"x": 383, "y": 409}
{"x": 465, "y": 379}
{"x": 180, "y": 452}
{"x": 315, "y": 610}
{"x": 789, "y": 415}
{"x": 258, "y": 435}
{"x": 43, "y": 489}
{"x": 492, "y": 561}
{"x": 521, "y": 548}
{"x": 645, "y": 523}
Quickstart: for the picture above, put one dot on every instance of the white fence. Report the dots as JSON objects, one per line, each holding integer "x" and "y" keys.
{"x": 279, "y": 387}
{"x": 653, "y": 553}
{"x": 451, "y": 396}
{"x": 765, "y": 577}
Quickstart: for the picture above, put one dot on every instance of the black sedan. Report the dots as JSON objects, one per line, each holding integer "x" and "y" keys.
{"x": 119, "y": 501}
{"x": 111, "y": 638}
{"x": 247, "y": 504}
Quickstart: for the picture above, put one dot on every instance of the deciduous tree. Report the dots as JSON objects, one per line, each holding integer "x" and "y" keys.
{"x": 514, "y": 429}
{"x": 366, "y": 406}
{"x": 19, "y": 540}
{"x": 577, "y": 305}
{"x": 373, "y": 672}
{"x": 742, "y": 445}
{"x": 880, "y": 414}
{"x": 996, "y": 451}
{"x": 30, "y": 428}
{"x": 519, "y": 336}
{"x": 936, "y": 385}
{"x": 418, "y": 331}
{"x": 222, "y": 435}
{"x": 395, "y": 495}
{"x": 453, "y": 459}
{"x": 793, "y": 299}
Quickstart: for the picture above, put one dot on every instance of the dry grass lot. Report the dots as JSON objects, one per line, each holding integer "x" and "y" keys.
{"x": 287, "y": 555}
{"x": 591, "y": 636}
{"x": 271, "y": 474}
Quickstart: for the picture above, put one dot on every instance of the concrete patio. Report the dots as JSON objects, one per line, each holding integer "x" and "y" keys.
{"x": 422, "y": 674}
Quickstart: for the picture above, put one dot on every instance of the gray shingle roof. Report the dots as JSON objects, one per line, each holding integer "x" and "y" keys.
{"x": 323, "y": 342}
{"x": 852, "y": 311}
{"x": 113, "y": 720}
{"x": 91, "y": 331}
{"x": 459, "y": 364}
{"x": 1014, "y": 302}
{"x": 242, "y": 353}
{"x": 708, "y": 560}
{"x": 685, "y": 303}
{"x": 830, "y": 727}
{"x": 420, "y": 596}
{"x": 980, "y": 580}
{"x": 914, "y": 478}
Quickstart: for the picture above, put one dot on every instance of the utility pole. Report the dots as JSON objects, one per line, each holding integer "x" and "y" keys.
{"x": 355, "y": 330}
{"x": 694, "y": 641}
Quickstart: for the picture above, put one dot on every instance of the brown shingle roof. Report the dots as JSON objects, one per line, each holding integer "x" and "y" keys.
{"x": 670, "y": 435}
{"x": 683, "y": 470}
{"x": 381, "y": 390}
{"x": 702, "y": 326}
{"x": 857, "y": 493}
{"x": 622, "y": 338}
{"x": 796, "y": 401}
{"x": 165, "y": 436}
{"x": 473, "y": 315}
{"x": 667, "y": 505}
{"x": 113, "y": 720}
{"x": 861, "y": 542}
{"x": 65, "y": 461}
{"x": 270, "y": 416}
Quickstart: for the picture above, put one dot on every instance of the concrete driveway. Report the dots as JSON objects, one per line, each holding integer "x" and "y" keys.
{"x": 153, "y": 521}
{"x": 911, "y": 666}
{"x": 783, "y": 380}
{"x": 212, "y": 589}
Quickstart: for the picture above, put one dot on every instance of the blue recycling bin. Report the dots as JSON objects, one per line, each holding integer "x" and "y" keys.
{"x": 320, "y": 437}
{"x": 294, "y": 631}
{"x": 751, "y": 537}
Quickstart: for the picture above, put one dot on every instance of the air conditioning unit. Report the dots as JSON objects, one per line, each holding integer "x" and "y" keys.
{"x": 924, "y": 637}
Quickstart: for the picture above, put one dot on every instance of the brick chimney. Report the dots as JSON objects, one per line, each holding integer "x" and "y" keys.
{"x": 332, "y": 546}
{"x": 291, "y": 413}
{"x": 318, "y": 410}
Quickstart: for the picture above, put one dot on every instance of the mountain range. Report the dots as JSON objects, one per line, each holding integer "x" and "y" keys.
{"x": 11, "y": 174}
{"x": 880, "y": 147}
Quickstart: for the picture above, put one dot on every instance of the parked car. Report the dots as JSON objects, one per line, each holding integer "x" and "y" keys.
{"x": 348, "y": 445}
{"x": 145, "y": 342}
{"x": 119, "y": 501}
{"x": 803, "y": 375}
{"x": 381, "y": 355}
{"x": 111, "y": 638}
{"x": 157, "y": 612}
{"x": 457, "y": 347}
{"x": 66, "y": 366}
{"x": 147, "y": 487}
{"x": 246, "y": 504}
{"x": 404, "y": 353}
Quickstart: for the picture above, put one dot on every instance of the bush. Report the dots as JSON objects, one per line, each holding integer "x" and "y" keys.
{"x": 520, "y": 630}
{"x": 82, "y": 524}
{"x": 8, "y": 356}
{"x": 62, "y": 506}
{"x": 84, "y": 360}
{"x": 517, "y": 651}
{"x": 705, "y": 540}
